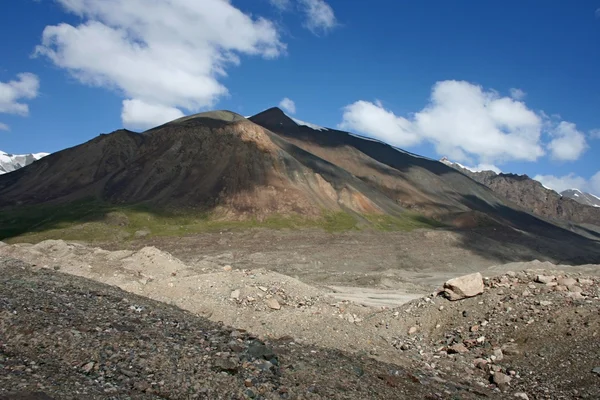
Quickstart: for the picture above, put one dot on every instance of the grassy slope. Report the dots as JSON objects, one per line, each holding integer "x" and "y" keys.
{"x": 93, "y": 221}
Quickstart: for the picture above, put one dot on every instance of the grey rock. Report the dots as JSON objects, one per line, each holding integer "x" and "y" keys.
{"x": 142, "y": 233}
{"x": 225, "y": 364}
{"x": 501, "y": 380}
{"x": 545, "y": 279}
{"x": 260, "y": 350}
{"x": 464, "y": 286}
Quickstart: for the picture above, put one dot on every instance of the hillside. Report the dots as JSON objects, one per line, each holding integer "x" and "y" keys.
{"x": 533, "y": 196}
{"x": 217, "y": 169}
{"x": 217, "y": 162}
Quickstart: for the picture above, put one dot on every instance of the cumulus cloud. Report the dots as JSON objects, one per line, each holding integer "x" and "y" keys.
{"x": 568, "y": 144}
{"x": 12, "y": 94}
{"x": 374, "y": 120}
{"x": 138, "y": 115}
{"x": 462, "y": 120}
{"x": 517, "y": 94}
{"x": 320, "y": 17}
{"x": 288, "y": 105}
{"x": 571, "y": 181}
{"x": 161, "y": 55}
{"x": 467, "y": 123}
{"x": 26, "y": 87}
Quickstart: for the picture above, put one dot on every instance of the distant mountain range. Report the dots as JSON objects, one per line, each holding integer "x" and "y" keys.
{"x": 581, "y": 197}
{"x": 570, "y": 205}
{"x": 12, "y": 162}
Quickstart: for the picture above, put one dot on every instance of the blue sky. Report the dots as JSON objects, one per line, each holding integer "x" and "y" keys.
{"x": 511, "y": 85}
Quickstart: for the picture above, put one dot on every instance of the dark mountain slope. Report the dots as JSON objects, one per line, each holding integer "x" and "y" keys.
{"x": 534, "y": 197}
{"x": 216, "y": 161}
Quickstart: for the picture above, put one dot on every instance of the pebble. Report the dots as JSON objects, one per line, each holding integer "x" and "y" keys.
{"x": 458, "y": 348}
{"x": 567, "y": 282}
{"x": 235, "y": 294}
{"x": 412, "y": 330}
{"x": 273, "y": 304}
{"x": 87, "y": 368}
{"x": 480, "y": 363}
{"x": 499, "y": 355}
{"x": 522, "y": 396}
{"x": 227, "y": 268}
{"x": 596, "y": 371}
{"x": 501, "y": 380}
{"x": 545, "y": 278}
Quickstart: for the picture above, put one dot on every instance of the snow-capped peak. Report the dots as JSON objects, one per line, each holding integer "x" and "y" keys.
{"x": 12, "y": 162}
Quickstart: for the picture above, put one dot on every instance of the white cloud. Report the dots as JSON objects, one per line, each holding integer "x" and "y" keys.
{"x": 282, "y": 5}
{"x": 595, "y": 133}
{"x": 25, "y": 87}
{"x": 571, "y": 181}
{"x": 594, "y": 184}
{"x": 164, "y": 54}
{"x": 461, "y": 120}
{"x": 288, "y": 105}
{"x": 517, "y": 94}
{"x": 139, "y": 115}
{"x": 467, "y": 123}
{"x": 374, "y": 120}
{"x": 568, "y": 144}
{"x": 561, "y": 183}
{"x": 320, "y": 17}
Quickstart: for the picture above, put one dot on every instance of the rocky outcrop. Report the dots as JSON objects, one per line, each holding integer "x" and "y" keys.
{"x": 533, "y": 196}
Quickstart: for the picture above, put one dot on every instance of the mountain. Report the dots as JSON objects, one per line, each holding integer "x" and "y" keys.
{"x": 217, "y": 161}
{"x": 587, "y": 199}
{"x": 535, "y": 197}
{"x": 229, "y": 168}
{"x": 12, "y": 162}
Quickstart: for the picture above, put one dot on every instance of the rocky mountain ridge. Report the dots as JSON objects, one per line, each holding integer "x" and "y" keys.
{"x": 533, "y": 196}
{"x": 584, "y": 198}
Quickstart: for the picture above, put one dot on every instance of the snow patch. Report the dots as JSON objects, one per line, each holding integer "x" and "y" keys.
{"x": 308, "y": 124}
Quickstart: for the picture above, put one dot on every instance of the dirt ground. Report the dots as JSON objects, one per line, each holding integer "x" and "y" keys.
{"x": 367, "y": 294}
{"x": 374, "y": 259}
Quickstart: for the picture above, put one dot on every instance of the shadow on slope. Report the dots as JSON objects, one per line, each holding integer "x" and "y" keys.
{"x": 525, "y": 237}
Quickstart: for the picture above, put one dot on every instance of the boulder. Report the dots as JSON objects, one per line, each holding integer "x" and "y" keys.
{"x": 464, "y": 286}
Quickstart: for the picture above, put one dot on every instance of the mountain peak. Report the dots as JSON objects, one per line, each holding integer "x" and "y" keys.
{"x": 12, "y": 162}
{"x": 274, "y": 117}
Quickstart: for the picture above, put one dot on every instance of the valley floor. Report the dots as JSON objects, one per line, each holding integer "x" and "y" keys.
{"x": 312, "y": 315}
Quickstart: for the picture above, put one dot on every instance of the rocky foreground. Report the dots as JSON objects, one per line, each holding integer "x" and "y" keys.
{"x": 532, "y": 334}
{"x": 65, "y": 337}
